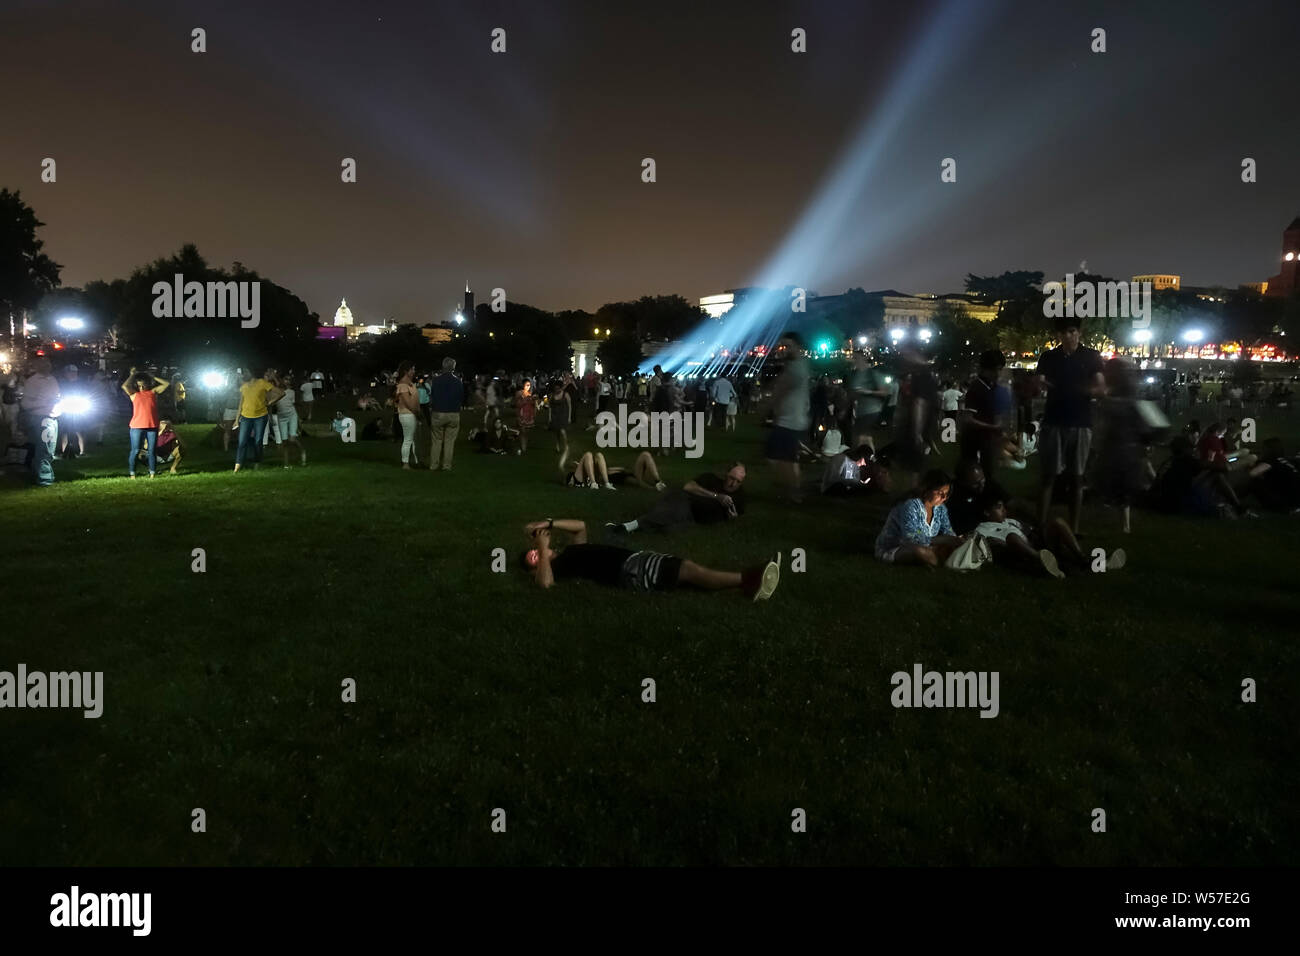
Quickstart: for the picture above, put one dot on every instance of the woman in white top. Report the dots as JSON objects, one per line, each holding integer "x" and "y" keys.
{"x": 407, "y": 397}
{"x": 286, "y": 415}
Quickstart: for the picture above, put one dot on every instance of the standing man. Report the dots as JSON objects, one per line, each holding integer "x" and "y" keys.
{"x": 723, "y": 394}
{"x": 38, "y": 420}
{"x": 256, "y": 396}
{"x": 791, "y": 415}
{"x": 982, "y": 425}
{"x": 307, "y": 390}
{"x": 446, "y": 394}
{"x": 1072, "y": 375}
{"x": 869, "y": 391}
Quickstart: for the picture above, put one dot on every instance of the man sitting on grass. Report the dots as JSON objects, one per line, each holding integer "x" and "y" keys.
{"x": 634, "y": 570}
{"x": 167, "y": 448}
{"x": 709, "y": 499}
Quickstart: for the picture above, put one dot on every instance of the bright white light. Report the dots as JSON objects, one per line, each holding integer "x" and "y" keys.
{"x": 213, "y": 380}
{"x": 862, "y": 340}
{"x": 889, "y": 379}
{"x": 460, "y": 318}
{"x": 1193, "y": 335}
{"x": 925, "y": 334}
{"x": 71, "y": 322}
{"x": 1142, "y": 335}
{"x": 1290, "y": 256}
{"x": 1151, "y": 379}
{"x": 72, "y": 405}
{"x": 896, "y": 334}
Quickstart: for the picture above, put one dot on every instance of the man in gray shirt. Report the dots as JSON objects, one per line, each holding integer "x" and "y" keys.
{"x": 791, "y": 415}
{"x": 38, "y": 420}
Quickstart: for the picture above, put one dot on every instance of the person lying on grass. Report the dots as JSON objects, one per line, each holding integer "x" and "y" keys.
{"x": 917, "y": 530}
{"x": 1017, "y": 546}
{"x": 632, "y": 570}
{"x": 591, "y": 471}
{"x": 708, "y": 499}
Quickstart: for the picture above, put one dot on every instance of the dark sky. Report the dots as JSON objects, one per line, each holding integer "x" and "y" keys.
{"x": 522, "y": 170}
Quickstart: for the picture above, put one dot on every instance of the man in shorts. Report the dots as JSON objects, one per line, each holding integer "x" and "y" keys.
{"x": 791, "y": 415}
{"x": 632, "y": 570}
{"x": 706, "y": 499}
{"x": 1072, "y": 375}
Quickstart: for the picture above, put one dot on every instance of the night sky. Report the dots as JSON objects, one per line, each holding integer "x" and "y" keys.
{"x": 523, "y": 170}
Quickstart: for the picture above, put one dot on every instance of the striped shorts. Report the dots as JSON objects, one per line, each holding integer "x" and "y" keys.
{"x": 651, "y": 571}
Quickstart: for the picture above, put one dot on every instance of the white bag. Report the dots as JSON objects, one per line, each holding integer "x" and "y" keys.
{"x": 970, "y": 555}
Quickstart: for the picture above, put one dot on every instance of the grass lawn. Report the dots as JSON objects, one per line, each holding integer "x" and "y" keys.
{"x": 476, "y": 690}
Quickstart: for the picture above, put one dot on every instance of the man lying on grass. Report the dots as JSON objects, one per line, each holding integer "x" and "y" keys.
{"x": 1025, "y": 548}
{"x": 634, "y": 570}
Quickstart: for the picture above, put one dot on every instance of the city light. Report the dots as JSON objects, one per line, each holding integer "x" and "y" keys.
{"x": 460, "y": 317}
{"x": 71, "y": 322}
{"x": 1193, "y": 335}
{"x": 1142, "y": 335}
{"x": 862, "y": 340}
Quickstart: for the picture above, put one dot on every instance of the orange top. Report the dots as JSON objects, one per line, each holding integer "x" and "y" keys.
{"x": 144, "y": 406}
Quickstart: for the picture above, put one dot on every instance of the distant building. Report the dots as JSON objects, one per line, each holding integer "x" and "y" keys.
{"x": 1259, "y": 288}
{"x": 343, "y": 316}
{"x": 1161, "y": 282}
{"x": 904, "y": 310}
{"x": 1288, "y": 280}
{"x": 469, "y": 302}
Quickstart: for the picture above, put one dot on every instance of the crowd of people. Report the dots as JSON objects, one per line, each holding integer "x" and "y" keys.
{"x": 872, "y": 432}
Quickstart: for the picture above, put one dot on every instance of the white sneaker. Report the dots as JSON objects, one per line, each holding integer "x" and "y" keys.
{"x": 660, "y": 486}
{"x": 1050, "y": 564}
{"x": 1117, "y": 560}
{"x": 610, "y": 487}
{"x": 771, "y": 578}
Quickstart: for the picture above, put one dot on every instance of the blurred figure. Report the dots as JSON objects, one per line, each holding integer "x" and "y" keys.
{"x": 38, "y": 420}
{"x": 11, "y": 399}
{"x": 1119, "y": 471}
{"x": 76, "y": 399}
{"x": 984, "y": 423}
{"x": 868, "y": 391}
{"x": 917, "y": 416}
{"x": 791, "y": 416}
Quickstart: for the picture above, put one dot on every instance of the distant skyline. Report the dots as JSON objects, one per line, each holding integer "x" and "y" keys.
{"x": 522, "y": 170}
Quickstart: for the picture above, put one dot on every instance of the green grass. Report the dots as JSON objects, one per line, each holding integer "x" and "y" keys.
{"x": 476, "y": 690}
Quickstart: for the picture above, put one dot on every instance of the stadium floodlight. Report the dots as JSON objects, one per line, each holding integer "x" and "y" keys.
{"x": 1142, "y": 335}
{"x": 71, "y": 322}
{"x": 1193, "y": 335}
{"x": 213, "y": 380}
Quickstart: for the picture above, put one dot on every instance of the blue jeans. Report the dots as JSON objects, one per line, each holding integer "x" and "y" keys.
{"x": 150, "y": 438}
{"x": 251, "y": 432}
{"x": 43, "y": 433}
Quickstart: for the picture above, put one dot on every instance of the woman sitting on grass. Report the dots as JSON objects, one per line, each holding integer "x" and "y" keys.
{"x": 917, "y": 530}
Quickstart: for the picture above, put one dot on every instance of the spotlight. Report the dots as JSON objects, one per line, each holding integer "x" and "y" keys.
{"x": 1193, "y": 335}
{"x": 71, "y": 322}
{"x": 1289, "y": 256}
{"x": 213, "y": 380}
{"x": 862, "y": 340}
{"x": 72, "y": 405}
{"x": 1142, "y": 335}
{"x": 925, "y": 334}
{"x": 896, "y": 334}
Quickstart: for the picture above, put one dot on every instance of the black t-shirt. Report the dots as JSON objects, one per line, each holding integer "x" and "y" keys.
{"x": 966, "y": 508}
{"x": 602, "y": 563}
{"x": 709, "y": 510}
{"x": 1069, "y": 378}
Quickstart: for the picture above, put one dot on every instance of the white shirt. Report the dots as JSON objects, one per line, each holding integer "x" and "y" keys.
{"x": 724, "y": 393}
{"x": 1000, "y": 530}
{"x": 307, "y": 388}
{"x": 40, "y": 394}
{"x": 951, "y": 398}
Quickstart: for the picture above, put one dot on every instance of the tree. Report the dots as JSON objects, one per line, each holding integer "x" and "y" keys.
{"x": 960, "y": 338}
{"x": 620, "y": 354}
{"x": 26, "y": 273}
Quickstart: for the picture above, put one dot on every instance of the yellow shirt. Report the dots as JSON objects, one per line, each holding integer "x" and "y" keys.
{"x": 252, "y": 398}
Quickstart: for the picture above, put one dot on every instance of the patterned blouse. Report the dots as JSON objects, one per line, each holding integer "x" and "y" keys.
{"x": 906, "y": 525}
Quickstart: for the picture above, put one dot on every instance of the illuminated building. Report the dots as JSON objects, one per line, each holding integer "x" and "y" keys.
{"x": 1160, "y": 282}
{"x": 1288, "y": 279}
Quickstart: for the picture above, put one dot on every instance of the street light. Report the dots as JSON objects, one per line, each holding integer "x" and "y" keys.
{"x": 862, "y": 340}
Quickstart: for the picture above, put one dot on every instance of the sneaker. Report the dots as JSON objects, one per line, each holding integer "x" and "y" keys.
{"x": 1050, "y": 564}
{"x": 610, "y": 487}
{"x": 660, "y": 486}
{"x": 613, "y": 527}
{"x": 762, "y": 582}
{"x": 1116, "y": 560}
